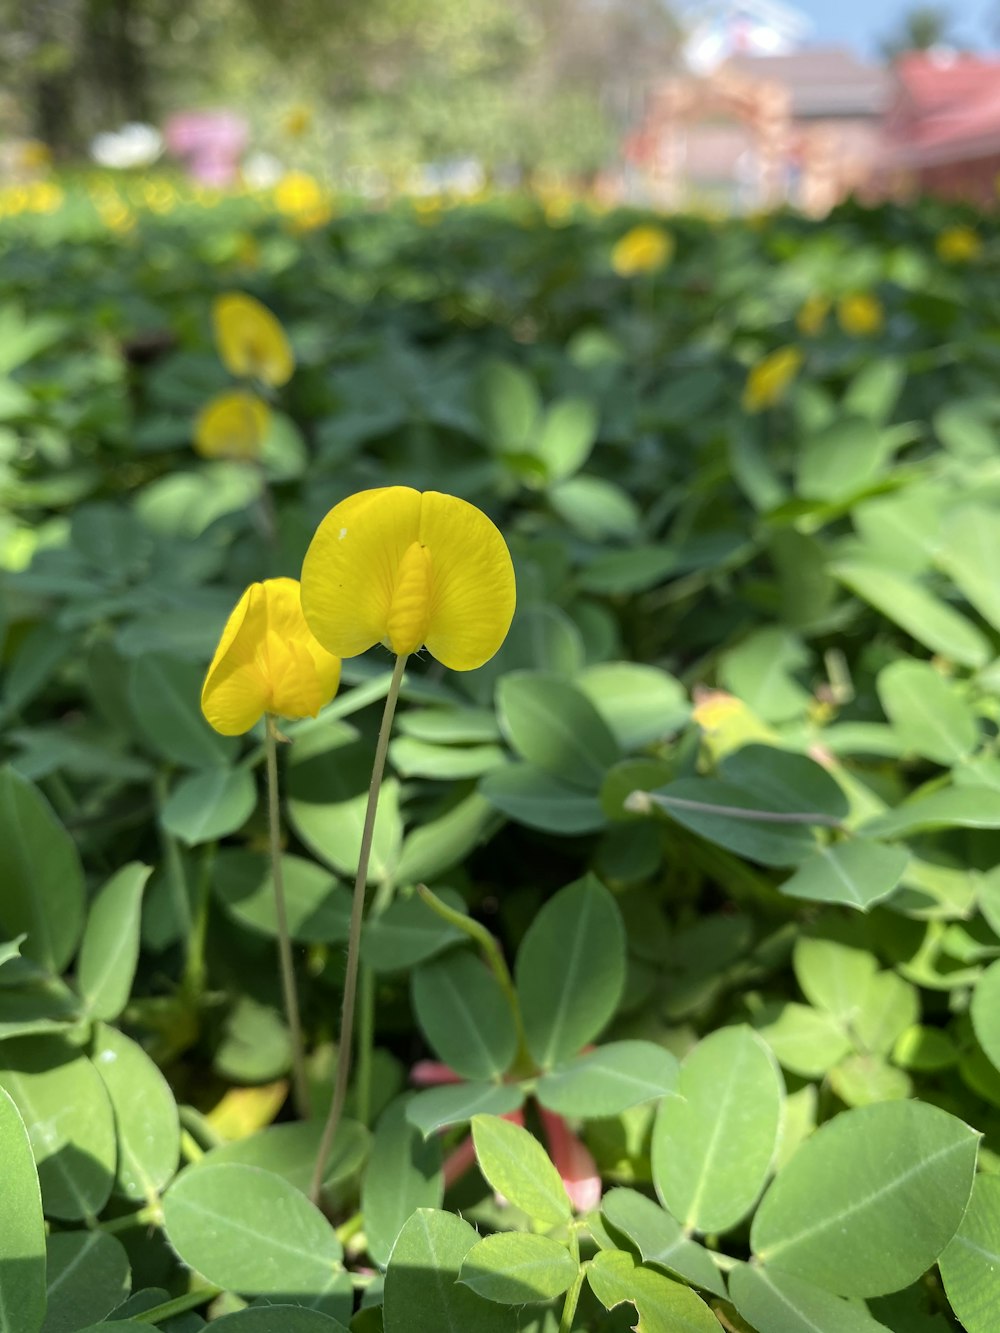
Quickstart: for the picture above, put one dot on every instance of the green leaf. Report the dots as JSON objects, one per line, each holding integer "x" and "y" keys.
{"x": 509, "y": 405}
{"x": 223, "y": 1222}
{"x": 862, "y": 1079}
{"x": 87, "y": 1275}
{"x": 276, "y": 1318}
{"x": 422, "y": 1291}
{"x": 635, "y": 569}
{"x": 412, "y": 758}
{"x": 513, "y": 1268}
{"x": 409, "y": 932}
{"x": 922, "y": 615}
{"x": 553, "y": 725}
{"x": 533, "y": 797}
{"x": 22, "y": 1228}
{"x": 145, "y": 1113}
{"x": 41, "y": 875}
{"x": 661, "y": 1239}
{"x": 833, "y": 975}
{"x": 805, "y": 1041}
{"x": 949, "y": 807}
{"x": 206, "y": 806}
{"x": 455, "y": 1104}
{"x": 857, "y": 873}
{"x": 790, "y": 781}
{"x": 327, "y": 782}
{"x": 290, "y": 1151}
{"x": 840, "y": 460}
{"x": 255, "y": 1044}
{"x": 767, "y": 841}
{"x": 713, "y": 1145}
{"x": 570, "y": 971}
{"x": 465, "y": 1015}
{"x": 164, "y": 695}
{"x": 986, "y": 1012}
{"x": 887, "y": 1006}
{"x": 971, "y": 1262}
{"x": 875, "y": 389}
{"x": 640, "y": 704}
{"x": 567, "y": 435}
{"x": 969, "y": 552}
{"x": 930, "y": 715}
{"x": 403, "y": 1174}
{"x": 517, "y": 1166}
{"x": 596, "y": 509}
{"x": 761, "y": 672}
{"x": 68, "y": 1116}
{"x": 609, "y": 1080}
{"x": 434, "y": 846}
{"x": 317, "y": 905}
{"x": 785, "y": 1304}
{"x": 870, "y": 1200}
{"x": 109, "y": 951}
{"x": 663, "y": 1306}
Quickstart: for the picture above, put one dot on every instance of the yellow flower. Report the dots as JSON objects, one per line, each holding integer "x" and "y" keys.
{"x": 812, "y": 316}
{"x": 770, "y": 377}
{"x": 267, "y": 661}
{"x": 297, "y": 120}
{"x": 860, "y": 314}
{"x": 301, "y": 198}
{"x": 642, "y": 250}
{"x": 407, "y": 568}
{"x": 232, "y": 425}
{"x": 958, "y": 245}
{"x": 251, "y": 342}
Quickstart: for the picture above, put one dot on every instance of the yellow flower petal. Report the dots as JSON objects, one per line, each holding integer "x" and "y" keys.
{"x": 958, "y": 245}
{"x": 644, "y": 249}
{"x": 232, "y": 425}
{"x": 267, "y": 661}
{"x": 860, "y": 314}
{"x": 769, "y": 379}
{"x": 251, "y": 342}
{"x": 399, "y": 567}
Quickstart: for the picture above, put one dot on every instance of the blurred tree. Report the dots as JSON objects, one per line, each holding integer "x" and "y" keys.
{"x": 919, "y": 29}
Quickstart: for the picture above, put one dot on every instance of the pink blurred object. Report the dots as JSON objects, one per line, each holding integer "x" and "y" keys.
{"x": 210, "y": 143}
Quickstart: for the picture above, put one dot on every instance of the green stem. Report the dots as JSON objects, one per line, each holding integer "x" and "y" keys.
{"x": 284, "y": 939}
{"x": 573, "y": 1295}
{"x": 494, "y": 960}
{"x": 354, "y": 937}
{"x": 179, "y": 1305}
{"x": 176, "y": 877}
{"x": 151, "y": 1215}
{"x": 195, "y": 970}
{"x": 366, "y": 1045}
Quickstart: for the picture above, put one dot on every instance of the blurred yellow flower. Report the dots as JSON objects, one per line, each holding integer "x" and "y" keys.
{"x": 958, "y": 245}
{"x": 644, "y": 249}
{"x": 860, "y": 314}
{"x": 409, "y": 568}
{"x": 250, "y": 340}
{"x": 297, "y": 121}
{"x": 232, "y": 425}
{"x": 769, "y": 379}
{"x": 267, "y": 661}
{"x": 812, "y": 315}
{"x": 303, "y": 200}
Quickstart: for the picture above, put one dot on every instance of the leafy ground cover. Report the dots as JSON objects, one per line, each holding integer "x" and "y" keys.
{"x": 680, "y": 993}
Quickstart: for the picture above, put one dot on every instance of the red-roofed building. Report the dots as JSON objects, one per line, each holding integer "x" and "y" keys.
{"x": 942, "y": 128}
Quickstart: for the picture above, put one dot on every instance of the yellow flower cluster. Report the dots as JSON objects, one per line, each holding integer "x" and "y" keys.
{"x": 395, "y": 566}
{"x": 39, "y": 196}
{"x": 860, "y": 314}
{"x": 303, "y": 201}
{"x": 958, "y": 245}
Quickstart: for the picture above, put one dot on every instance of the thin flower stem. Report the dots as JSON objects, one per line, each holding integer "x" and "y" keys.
{"x": 354, "y": 937}
{"x": 495, "y": 961}
{"x": 179, "y": 1305}
{"x": 284, "y": 939}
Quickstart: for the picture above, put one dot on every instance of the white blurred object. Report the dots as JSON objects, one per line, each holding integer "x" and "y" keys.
{"x": 742, "y": 27}
{"x": 262, "y": 171}
{"x": 134, "y": 145}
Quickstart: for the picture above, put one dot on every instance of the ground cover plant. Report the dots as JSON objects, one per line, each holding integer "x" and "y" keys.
{"x": 678, "y": 1005}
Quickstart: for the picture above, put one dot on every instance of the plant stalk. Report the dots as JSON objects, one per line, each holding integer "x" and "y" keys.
{"x": 354, "y": 937}
{"x": 284, "y": 939}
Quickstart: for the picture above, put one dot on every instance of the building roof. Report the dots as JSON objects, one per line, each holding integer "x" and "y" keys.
{"x": 946, "y": 109}
{"x": 824, "y": 81}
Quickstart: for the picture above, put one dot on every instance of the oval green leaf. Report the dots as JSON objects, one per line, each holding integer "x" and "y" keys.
{"x": 518, "y": 1167}
{"x": 22, "y": 1228}
{"x": 465, "y": 1015}
{"x": 146, "y": 1121}
{"x": 109, "y": 951}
